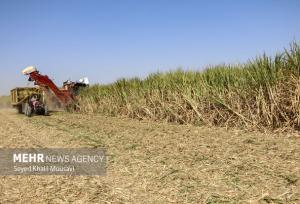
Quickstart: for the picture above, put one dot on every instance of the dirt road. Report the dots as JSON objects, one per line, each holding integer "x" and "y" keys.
{"x": 152, "y": 162}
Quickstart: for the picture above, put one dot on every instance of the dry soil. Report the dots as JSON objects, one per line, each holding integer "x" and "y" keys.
{"x": 151, "y": 162}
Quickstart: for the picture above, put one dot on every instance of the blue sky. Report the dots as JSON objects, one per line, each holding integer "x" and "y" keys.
{"x": 109, "y": 39}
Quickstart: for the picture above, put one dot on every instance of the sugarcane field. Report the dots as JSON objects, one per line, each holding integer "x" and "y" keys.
{"x": 150, "y": 102}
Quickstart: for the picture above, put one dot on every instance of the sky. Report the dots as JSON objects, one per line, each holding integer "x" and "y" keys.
{"x": 105, "y": 40}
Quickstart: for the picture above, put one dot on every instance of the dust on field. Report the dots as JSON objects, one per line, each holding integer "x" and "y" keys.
{"x": 153, "y": 162}
{"x": 5, "y": 102}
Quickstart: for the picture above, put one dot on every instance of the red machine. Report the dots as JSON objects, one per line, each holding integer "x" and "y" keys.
{"x": 66, "y": 95}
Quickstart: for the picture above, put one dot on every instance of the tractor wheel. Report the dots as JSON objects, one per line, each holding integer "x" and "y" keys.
{"x": 25, "y": 109}
{"x": 20, "y": 110}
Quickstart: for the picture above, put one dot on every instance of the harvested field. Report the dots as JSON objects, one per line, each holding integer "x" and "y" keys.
{"x": 152, "y": 162}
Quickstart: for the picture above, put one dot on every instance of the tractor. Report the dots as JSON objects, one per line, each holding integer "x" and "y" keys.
{"x": 29, "y": 100}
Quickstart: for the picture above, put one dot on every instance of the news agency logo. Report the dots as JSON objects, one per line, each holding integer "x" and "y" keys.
{"x": 76, "y": 161}
{"x": 41, "y": 158}
{"x": 28, "y": 158}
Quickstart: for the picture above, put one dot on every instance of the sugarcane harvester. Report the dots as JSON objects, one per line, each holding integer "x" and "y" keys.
{"x": 31, "y": 100}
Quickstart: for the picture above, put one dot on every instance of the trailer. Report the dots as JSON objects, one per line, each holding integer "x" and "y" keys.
{"x": 29, "y": 101}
